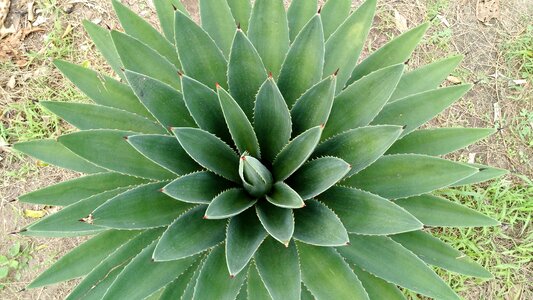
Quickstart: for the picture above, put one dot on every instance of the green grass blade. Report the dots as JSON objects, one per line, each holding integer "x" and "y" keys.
{"x": 277, "y": 221}
{"x": 333, "y": 15}
{"x": 485, "y": 173}
{"x": 217, "y": 21}
{"x": 199, "y": 187}
{"x": 104, "y": 43}
{"x": 189, "y": 234}
{"x": 377, "y": 288}
{"x": 255, "y": 288}
{"x": 318, "y": 225}
{"x": 165, "y": 12}
{"x": 404, "y": 175}
{"x": 283, "y": 196}
{"x": 298, "y": 14}
{"x": 228, "y": 204}
{"x": 365, "y": 213}
{"x": 241, "y": 11}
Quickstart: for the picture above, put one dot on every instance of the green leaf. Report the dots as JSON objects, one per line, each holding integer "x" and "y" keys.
{"x": 269, "y": 33}
{"x": 72, "y": 191}
{"x": 204, "y": 107}
{"x": 239, "y": 126}
{"x": 246, "y": 72}
{"x": 102, "y": 89}
{"x": 4, "y": 271}
{"x": 189, "y": 291}
{"x": 365, "y": 213}
{"x": 165, "y": 151}
{"x": 176, "y": 289}
{"x": 313, "y": 107}
{"x": 96, "y": 283}
{"x": 209, "y": 151}
{"x": 316, "y": 176}
{"x": 360, "y": 147}
{"x": 439, "y": 141}
{"x": 138, "y": 28}
{"x": 272, "y": 260}
{"x": 344, "y": 46}
{"x": 438, "y": 212}
{"x": 377, "y": 288}
{"x": 163, "y": 101}
{"x": 304, "y": 63}
{"x": 255, "y": 287}
{"x": 214, "y": 281}
{"x": 324, "y": 267}
{"x": 394, "y": 52}
{"x": 89, "y": 116}
{"x": 165, "y": 12}
{"x": 272, "y": 120}
{"x": 129, "y": 285}
{"x": 416, "y": 110}
{"x": 229, "y": 203}
{"x": 104, "y": 43}
{"x": 189, "y": 234}
{"x": 145, "y": 60}
{"x": 283, "y": 196}
{"x": 218, "y": 22}
{"x": 369, "y": 95}
{"x": 109, "y": 149}
{"x": 436, "y": 252}
{"x": 255, "y": 177}
{"x": 298, "y": 14}
{"x": 83, "y": 258}
{"x": 295, "y": 153}
{"x": 277, "y": 221}
{"x": 425, "y": 78}
{"x": 404, "y": 175}
{"x": 244, "y": 236}
{"x": 200, "y": 56}
{"x": 52, "y": 152}
{"x": 241, "y": 11}
{"x": 139, "y": 208}
{"x": 199, "y": 187}
{"x": 384, "y": 258}
{"x": 485, "y": 173}
{"x": 318, "y": 225}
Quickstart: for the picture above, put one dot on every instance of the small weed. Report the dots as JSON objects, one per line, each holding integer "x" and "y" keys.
{"x": 519, "y": 53}
{"x": 14, "y": 262}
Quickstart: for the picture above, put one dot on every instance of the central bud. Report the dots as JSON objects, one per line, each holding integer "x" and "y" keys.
{"x": 256, "y": 178}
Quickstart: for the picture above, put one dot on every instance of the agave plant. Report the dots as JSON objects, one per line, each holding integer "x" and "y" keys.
{"x": 253, "y": 157}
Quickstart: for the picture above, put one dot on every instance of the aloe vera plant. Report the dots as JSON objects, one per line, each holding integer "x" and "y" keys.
{"x": 253, "y": 157}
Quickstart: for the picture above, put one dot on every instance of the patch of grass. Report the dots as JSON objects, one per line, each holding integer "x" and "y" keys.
{"x": 14, "y": 262}
{"x": 519, "y": 52}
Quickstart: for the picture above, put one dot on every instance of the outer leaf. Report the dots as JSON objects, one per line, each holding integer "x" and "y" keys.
{"x": 102, "y": 89}
{"x": 272, "y": 259}
{"x": 163, "y": 101}
{"x": 230, "y": 203}
{"x": 416, "y": 110}
{"x": 272, "y": 121}
{"x": 485, "y": 173}
{"x": 283, "y": 196}
{"x": 317, "y": 225}
{"x": 164, "y": 150}
{"x": 189, "y": 234}
{"x": 306, "y": 294}
{"x": 269, "y": 33}
{"x": 209, "y": 151}
{"x": 130, "y": 285}
{"x": 218, "y": 22}
{"x": 368, "y": 94}
{"x": 323, "y": 266}
{"x": 333, "y": 15}
{"x": 299, "y": 13}
{"x": 246, "y": 72}
{"x": 435, "y": 252}
{"x": 83, "y": 258}
{"x": 255, "y": 288}
{"x": 360, "y": 147}
{"x": 439, "y": 141}
{"x": 393, "y": 264}
{"x": 104, "y": 43}
{"x": 394, "y": 52}
{"x": 145, "y": 60}
{"x": 52, "y": 152}
{"x": 165, "y": 12}
{"x": 304, "y": 63}
{"x": 214, "y": 282}
{"x": 189, "y": 291}
{"x": 200, "y": 57}
{"x": 425, "y": 78}
{"x": 138, "y": 28}
{"x": 377, "y": 288}
{"x": 176, "y": 289}
{"x": 404, "y": 175}
{"x": 139, "y": 208}
{"x": 241, "y": 11}
{"x": 72, "y": 191}
{"x": 295, "y": 153}
{"x": 199, "y": 187}
{"x": 344, "y": 45}
{"x": 318, "y": 175}
{"x": 435, "y": 211}
{"x": 109, "y": 149}
{"x": 90, "y": 116}
{"x": 277, "y": 221}
{"x": 365, "y": 213}
{"x": 239, "y": 126}
{"x": 244, "y": 236}
{"x": 313, "y": 108}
